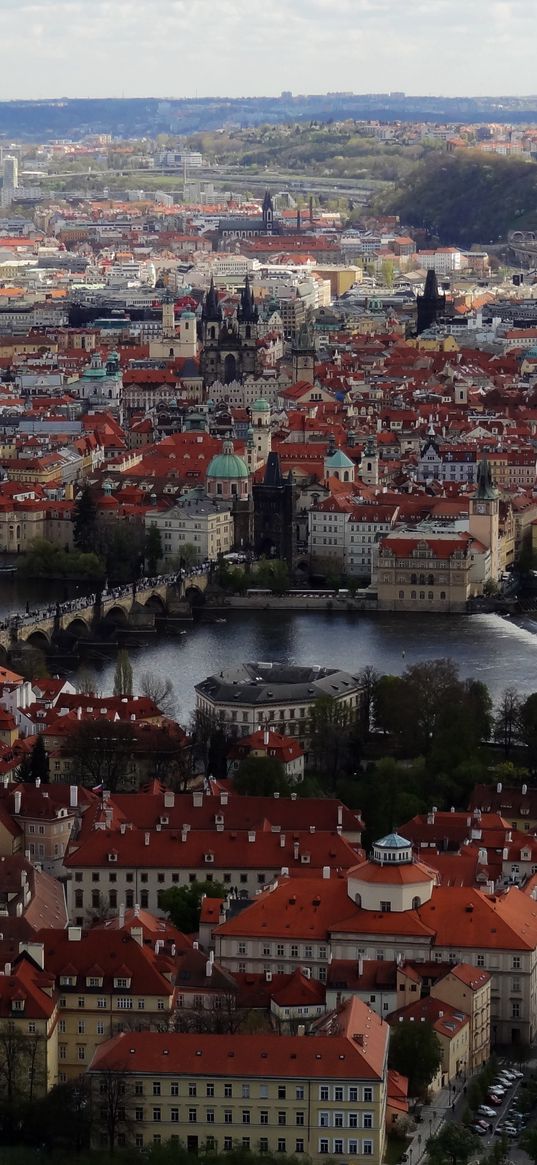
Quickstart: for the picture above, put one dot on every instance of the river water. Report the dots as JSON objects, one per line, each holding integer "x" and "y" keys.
{"x": 501, "y": 652}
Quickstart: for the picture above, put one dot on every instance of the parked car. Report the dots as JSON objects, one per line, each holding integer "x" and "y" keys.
{"x": 486, "y": 1110}
{"x": 497, "y": 1101}
{"x": 481, "y": 1132}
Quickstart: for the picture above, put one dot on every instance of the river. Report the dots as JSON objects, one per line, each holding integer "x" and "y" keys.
{"x": 501, "y": 652}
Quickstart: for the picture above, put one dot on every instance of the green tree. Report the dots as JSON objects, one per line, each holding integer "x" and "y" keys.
{"x": 39, "y": 762}
{"x": 274, "y": 574}
{"x": 527, "y": 729}
{"x": 334, "y": 730}
{"x": 123, "y": 674}
{"x": 261, "y": 776}
{"x": 528, "y": 1142}
{"x": 453, "y": 1145}
{"x": 415, "y": 1052}
{"x": 153, "y": 549}
{"x": 85, "y": 520}
{"x": 102, "y": 752}
{"x": 182, "y": 904}
{"x": 506, "y": 720}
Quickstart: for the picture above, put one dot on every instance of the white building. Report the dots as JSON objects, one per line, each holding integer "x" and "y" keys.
{"x": 198, "y": 521}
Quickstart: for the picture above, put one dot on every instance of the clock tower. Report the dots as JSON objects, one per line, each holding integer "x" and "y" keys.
{"x": 484, "y": 516}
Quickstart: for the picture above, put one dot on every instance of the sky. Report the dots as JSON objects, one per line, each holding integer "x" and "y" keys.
{"x": 181, "y": 48}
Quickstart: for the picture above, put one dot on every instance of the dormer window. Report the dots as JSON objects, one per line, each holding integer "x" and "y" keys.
{"x": 67, "y": 980}
{"x": 208, "y": 858}
{"x": 18, "y": 1004}
{"x": 94, "y": 981}
{"x": 122, "y": 982}
{"x": 112, "y": 857}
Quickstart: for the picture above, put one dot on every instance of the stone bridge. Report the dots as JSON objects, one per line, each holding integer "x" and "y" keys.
{"x": 132, "y": 606}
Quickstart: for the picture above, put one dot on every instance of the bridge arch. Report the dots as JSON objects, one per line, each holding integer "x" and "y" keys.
{"x": 78, "y": 628}
{"x": 39, "y": 639}
{"x": 194, "y": 595}
{"x": 117, "y": 615}
{"x": 155, "y": 603}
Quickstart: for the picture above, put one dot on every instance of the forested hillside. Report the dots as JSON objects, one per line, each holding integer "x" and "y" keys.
{"x": 468, "y": 197}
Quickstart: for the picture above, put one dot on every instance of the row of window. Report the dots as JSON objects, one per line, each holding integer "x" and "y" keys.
{"x": 123, "y": 1003}
{"x": 339, "y": 1093}
{"x": 208, "y": 1117}
{"x": 284, "y": 950}
{"x": 228, "y": 1143}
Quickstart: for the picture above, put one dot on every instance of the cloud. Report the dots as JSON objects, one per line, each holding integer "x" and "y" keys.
{"x": 236, "y": 47}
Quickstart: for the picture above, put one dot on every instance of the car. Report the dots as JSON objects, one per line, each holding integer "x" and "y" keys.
{"x": 495, "y": 1100}
{"x": 498, "y": 1089}
{"x": 486, "y": 1110}
{"x": 479, "y": 1121}
{"x": 481, "y": 1132}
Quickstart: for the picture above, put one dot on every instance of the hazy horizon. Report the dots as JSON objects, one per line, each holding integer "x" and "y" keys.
{"x": 54, "y": 49}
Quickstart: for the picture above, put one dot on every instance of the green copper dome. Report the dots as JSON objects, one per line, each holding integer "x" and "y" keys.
{"x": 339, "y": 460}
{"x": 261, "y": 406}
{"x": 227, "y": 465}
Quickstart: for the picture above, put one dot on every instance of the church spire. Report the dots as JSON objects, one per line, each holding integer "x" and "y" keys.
{"x": 486, "y": 490}
{"x": 247, "y": 313}
{"x": 212, "y": 312}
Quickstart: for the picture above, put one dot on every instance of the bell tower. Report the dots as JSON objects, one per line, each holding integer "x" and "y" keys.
{"x": 268, "y": 214}
{"x": 369, "y": 465}
{"x": 303, "y": 353}
{"x": 484, "y": 515}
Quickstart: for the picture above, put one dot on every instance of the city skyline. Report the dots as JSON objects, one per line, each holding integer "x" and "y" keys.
{"x": 175, "y": 49}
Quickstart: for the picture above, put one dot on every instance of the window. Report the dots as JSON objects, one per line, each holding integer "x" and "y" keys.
{"x": 263, "y": 1091}
{"x": 323, "y": 1092}
{"x": 323, "y": 1145}
{"x": 246, "y": 1116}
{"x": 210, "y": 1116}
{"x": 281, "y": 1092}
{"x": 515, "y": 1009}
{"x": 299, "y": 1092}
{"x": 516, "y": 963}
{"x": 280, "y": 951}
{"x": 353, "y": 1094}
{"x": 263, "y": 1144}
{"x": 281, "y": 1144}
{"x": 263, "y": 1116}
{"x": 139, "y": 1114}
{"x": 138, "y": 1088}
{"x": 299, "y": 1145}
{"x": 81, "y": 1027}
{"x": 246, "y": 1091}
{"x": 192, "y": 1090}
{"x": 228, "y": 1143}
{"x": 174, "y": 1115}
{"x": 228, "y": 1116}
{"x": 101, "y": 1004}
{"x": 368, "y": 1120}
{"x": 352, "y": 1148}
{"x": 338, "y": 1120}
{"x": 228, "y": 1090}
{"x": 299, "y": 1118}
{"x": 209, "y": 1091}
{"x": 480, "y": 960}
{"x": 100, "y": 1027}
{"x": 156, "y": 1114}
{"x": 324, "y": 1120}
{"x": 156, "y": 1087}
{"x": 282, "y": 1118}
{"x": 245, "y": 1142}
{"x": 338, "y": 1146}
{"x": 192, "y": 1116}
{"x": 353, "y": 1120}
{"x": 81, "y": 1052}
{"x": 368, "y": 1095}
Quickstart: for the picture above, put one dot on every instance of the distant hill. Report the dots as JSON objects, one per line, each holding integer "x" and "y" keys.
{"x": 467, "y": 197}
{"x": 132, "y": 117}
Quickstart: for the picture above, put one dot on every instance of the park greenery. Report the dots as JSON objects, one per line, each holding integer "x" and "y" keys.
{"x": 46, "y": 559}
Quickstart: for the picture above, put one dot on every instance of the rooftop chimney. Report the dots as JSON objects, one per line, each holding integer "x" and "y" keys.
{"x": 224, "y": 797}
{"x": 74, "y": 934}
{"x": 326, "y": 872}
{"x": 146, "y": 838}
{"x": 197, "y": 798}
{"x": 73, "y": 796}
{"x": 169, "y": 799}
{"x": 138, "y": 935}
{"x": 17, "y": 801}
